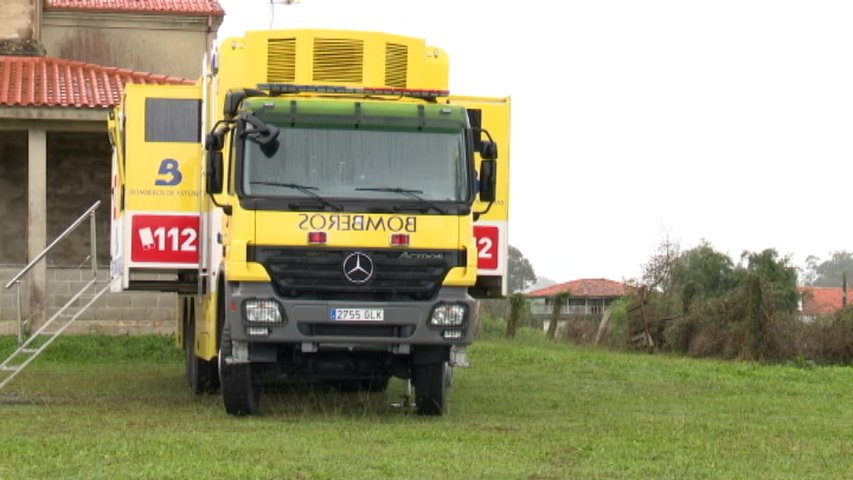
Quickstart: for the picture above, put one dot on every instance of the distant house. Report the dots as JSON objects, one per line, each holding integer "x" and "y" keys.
{"x": 819, "y": 301}
{"x": 588, "y": 298}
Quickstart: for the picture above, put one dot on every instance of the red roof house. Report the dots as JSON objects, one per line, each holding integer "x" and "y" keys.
{"x": 174, "y": 7}
{"x": 586, "y": 288}
{"x": 54, "y": 82}
{"x": 818, "y": 301}
{"x": 588, "y": 296}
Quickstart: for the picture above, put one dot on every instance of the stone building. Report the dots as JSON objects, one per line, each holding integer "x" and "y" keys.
{"x": 163, "y": 36}
{"x": 63, "y": 64}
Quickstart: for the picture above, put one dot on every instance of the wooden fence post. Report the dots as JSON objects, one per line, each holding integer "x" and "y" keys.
{"x": 555, "y": 313}
{"x": 517, "y": 302}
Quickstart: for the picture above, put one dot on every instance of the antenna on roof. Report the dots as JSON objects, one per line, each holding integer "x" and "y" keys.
{"x": 281, "y": 2}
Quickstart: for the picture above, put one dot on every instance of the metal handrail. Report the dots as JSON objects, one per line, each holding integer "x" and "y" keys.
{"x": 93, "y": 257}
{"x": 61, "y": 237}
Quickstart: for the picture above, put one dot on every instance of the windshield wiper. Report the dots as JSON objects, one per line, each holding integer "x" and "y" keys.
{"x": 306, "y": 189}
{"x": 413, "y": 194}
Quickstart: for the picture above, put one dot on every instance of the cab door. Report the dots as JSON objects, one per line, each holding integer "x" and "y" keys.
{"x": 490, "y": 228}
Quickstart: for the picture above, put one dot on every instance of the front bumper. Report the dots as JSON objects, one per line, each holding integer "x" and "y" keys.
{"x": 309, "y": 323}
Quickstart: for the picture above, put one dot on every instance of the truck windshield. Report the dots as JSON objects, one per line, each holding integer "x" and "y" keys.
{"x": 346, "y": 163}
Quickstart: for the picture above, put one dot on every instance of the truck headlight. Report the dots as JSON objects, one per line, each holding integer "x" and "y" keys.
{"x": 449, "y": 315}
{"x": 262, "y": 311}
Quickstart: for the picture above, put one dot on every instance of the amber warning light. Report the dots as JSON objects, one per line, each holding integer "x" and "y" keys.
{"x": 285, "y": 88}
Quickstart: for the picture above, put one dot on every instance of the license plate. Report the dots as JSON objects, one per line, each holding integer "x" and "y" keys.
{"x": 358, "y": 314}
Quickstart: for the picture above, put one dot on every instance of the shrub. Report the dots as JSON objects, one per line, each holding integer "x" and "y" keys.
{"x": 617, "y": 334}
{"x": 579, "y": 329}
{"x": 828, "y": 339}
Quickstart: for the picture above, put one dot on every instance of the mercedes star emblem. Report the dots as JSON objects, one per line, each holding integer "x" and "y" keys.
{"x": 358, "y": 268}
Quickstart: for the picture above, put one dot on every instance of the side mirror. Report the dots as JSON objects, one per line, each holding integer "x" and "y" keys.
{"x": 262, "y": 133}
{"x": 269, "y": 135}
{"x": 214, "y": 172}
{"x": 488, "y": 181}
{"x": 488, "y": 150}
{"x": 214, "y": 141}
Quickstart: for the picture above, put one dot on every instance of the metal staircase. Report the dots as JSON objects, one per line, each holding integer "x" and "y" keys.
{"x": 30, "y": 348}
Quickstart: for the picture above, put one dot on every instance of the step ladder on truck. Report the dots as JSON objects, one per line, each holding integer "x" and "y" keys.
{"x": 31, "y": 345}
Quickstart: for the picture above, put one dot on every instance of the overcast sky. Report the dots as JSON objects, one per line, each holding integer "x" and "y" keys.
{"x": 729, "y": 121}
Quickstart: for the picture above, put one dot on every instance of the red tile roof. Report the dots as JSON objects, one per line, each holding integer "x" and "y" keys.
{"x": 178, "y": 7}
{"x": 821, "y": 300}
{"x": 586, "y": 288}
{"x": 53, "y": 82}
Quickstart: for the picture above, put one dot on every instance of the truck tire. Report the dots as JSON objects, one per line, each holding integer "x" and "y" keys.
{"x": 430, "y": 382}
{"x": 241, "y": 393}
{"x": 202, "y": 376}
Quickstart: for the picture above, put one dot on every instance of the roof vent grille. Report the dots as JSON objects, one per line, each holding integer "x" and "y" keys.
{"x": 281, "y": 60}
{"x": 338, "y": 60}
{"x": 396, "y": 65}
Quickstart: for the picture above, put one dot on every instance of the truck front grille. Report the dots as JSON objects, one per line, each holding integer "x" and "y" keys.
{"x": 381, "y": 331}
{"x": 396, "y": 275}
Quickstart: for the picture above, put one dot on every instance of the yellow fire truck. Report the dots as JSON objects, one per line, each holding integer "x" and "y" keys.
{"x": 323, "y": 208}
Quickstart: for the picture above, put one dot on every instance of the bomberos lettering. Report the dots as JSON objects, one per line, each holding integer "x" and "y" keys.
{"x": 358, "y": 223}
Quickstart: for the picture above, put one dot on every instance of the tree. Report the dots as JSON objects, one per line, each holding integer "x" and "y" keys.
{"x": 704, "y": 304}
{"x": 542, "y": 282}
{"x": 776, "y": 276}
{"x": 657, "y": 272}
{"x": 828, "y": 273}
{"x": 701, "y": 273}
{"x": 808, "y": 274}
{"x": 521, "y": 274}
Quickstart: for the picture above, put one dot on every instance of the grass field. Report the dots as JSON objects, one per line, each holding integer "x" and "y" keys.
{"x": 117, "y": 407}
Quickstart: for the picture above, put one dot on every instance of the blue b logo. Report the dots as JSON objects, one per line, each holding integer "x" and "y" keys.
{"x": 169, "y": 167}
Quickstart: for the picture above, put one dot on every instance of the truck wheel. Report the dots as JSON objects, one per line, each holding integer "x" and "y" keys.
{"x": 202, "y": 376}
{"x": 241, "y": 393}
{"x": 430, "y": 381}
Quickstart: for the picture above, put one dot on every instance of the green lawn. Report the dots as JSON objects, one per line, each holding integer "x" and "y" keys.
{"x": 116, "y": 407}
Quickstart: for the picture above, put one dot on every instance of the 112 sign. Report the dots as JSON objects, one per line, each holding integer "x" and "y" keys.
{"x": 164, "y": 239}
{"x": 488, "y": 243}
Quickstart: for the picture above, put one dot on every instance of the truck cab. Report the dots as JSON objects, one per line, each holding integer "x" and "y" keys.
{"x": 344, "y": 229}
